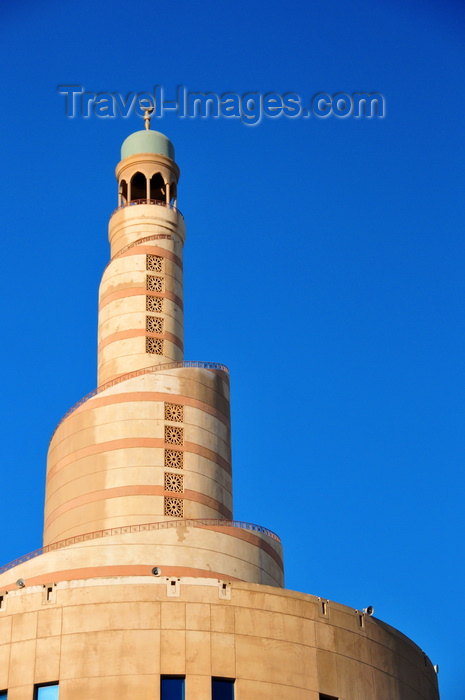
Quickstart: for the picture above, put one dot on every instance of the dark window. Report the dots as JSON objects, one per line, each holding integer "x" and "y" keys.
{"x": 222, "y": 689}
{"x": 172, "y": 688}
{"x": 47, "y": 691}
{"x": 3, "y": 695}
{"x": 327, "y": 697}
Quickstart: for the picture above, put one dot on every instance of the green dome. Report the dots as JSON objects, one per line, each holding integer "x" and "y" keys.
{"x": 147, "y": 141}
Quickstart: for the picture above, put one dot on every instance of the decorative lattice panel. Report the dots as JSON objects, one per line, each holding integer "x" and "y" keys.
{"x": 154, "y": 304}
{"x": 154, "y": 346}
{"x": 174, "y": 435}
{"x": 174, "y": 459}
{"x": 154, "y": 283}
{"x": 174, "y": 412}
{"x": 155, "y": 263}
{"x": 174, "y": 482}
{"x": 174, "y": 506}
{"x": 154, "y": 324}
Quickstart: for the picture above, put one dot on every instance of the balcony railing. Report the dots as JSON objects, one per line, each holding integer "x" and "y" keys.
{"x": 137, "y": 373}
{"x": 123, "y": 530}
{"x": 157, "y": 202}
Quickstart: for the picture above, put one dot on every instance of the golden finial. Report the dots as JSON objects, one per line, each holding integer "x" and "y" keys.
{"x": 147, "y": 112}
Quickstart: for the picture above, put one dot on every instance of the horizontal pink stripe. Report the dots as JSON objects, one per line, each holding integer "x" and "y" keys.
{"x": 139, "y": 291}
{"x": 126, "y": 570}
{"x": 138, "y": 333}
{"x": 125, "y": 443}
{"x": 139, "y": 490}
{"x": 147, "y": 249}
{"x": 135, "y": 396}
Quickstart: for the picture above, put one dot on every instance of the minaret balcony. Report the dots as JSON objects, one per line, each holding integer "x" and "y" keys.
{"x": 157, "y": 202}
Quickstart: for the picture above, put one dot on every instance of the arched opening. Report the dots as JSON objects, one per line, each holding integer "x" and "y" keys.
{"x": 123, "y": 193}
{"x": 138, "y": 187}
{"x": 173, "y": 194}
{"x": 157, "y": 188}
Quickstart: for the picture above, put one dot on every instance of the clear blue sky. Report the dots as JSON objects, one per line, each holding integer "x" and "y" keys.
{"x": 324, "y": 265}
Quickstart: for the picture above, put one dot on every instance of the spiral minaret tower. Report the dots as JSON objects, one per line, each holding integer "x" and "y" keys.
{"x": 146, "y": 586}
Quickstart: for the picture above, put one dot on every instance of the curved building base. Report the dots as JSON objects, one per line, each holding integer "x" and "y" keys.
{"x": 116, "y": 636}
